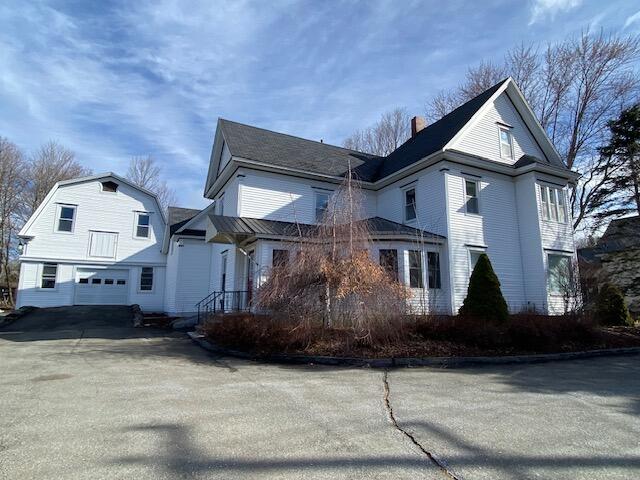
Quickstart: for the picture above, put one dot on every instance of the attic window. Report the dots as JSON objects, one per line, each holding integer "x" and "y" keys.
{"x": 109, "y": 186}
{"x": 506, "y": 143}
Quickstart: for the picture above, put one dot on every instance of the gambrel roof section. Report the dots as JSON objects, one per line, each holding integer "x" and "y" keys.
{"x": 89, "y": 178}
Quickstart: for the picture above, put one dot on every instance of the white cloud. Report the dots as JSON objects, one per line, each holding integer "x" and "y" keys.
{"x": 632, "y": 19}
{"x": 542, "y": 9}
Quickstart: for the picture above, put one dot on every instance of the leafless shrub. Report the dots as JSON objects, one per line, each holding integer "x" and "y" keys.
{"x": 332, "y": 282}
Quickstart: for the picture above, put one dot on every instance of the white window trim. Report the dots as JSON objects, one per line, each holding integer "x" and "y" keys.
{"x": 41, "y": 272}
{"x": 545, "y": 207}
{"x": 153, "y": 281}
{"x": 429, "y": 269}
{"x": 135, "y": 226}
{"x": 469, "y": 263}
{"x": 556, "y": 254}
{"x": 423, "y": 270}
{"x": 466, "y": 197}
{"x": 510, "y": 135}
{"x": 404, "y": 204}
{"x": 59, "y": 207}
{"x": 316, "y": 194}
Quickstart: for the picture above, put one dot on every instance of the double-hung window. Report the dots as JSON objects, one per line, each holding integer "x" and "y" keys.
{"x": 471, "y": 196}
{"x": 389, "y": 261}
{"x": 322, "y": 204}
{"x": 66, "y": 218}
{"x": 433, "y": 265}
{"x": 415, "y": 269}
{"x": 474, "y": 256}
{"x": 142, "y": 225}
{"x": 146, "y": 279}
{"x": 409, "y": 204}
{"x": 554, "y": 206}
{"x": 559, "y": 273}
{"x": 506, "y": 143}
{"x": 49, "y": 273}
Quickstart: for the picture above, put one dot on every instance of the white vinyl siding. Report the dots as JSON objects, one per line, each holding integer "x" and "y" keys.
{"x": 482, "y": 139}
{"x": 103, "y": 244}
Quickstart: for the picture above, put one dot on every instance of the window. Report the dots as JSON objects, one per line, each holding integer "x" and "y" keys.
{"x": 142, "y": 225}
{"x": 83, "y": 280}
{"x": 108, "y": 281}
{"x": 474, "y": 255}
{"x": 121, "y": 282}
{"x": 415, "y": 269}
{"x": 433, "y": 265}
{"x": 66, "y": 214}
{"x": 280, "y": 258}
{"x": 96, "y": 281}
{"x": 389, "y": 261}
{"x": 471, "y": 196}
{"x": 219, "y": 207}
{"x": 410, "y": 205}
{"x": 322, "y": 204}
{"x": 506, "y": 144}
{"x": 109, "y": 186}
{"x": 146, "y": 279}
{"x": 49, "y": 272}
{"x": 559, "y": 273}
{"x": 554, "y": 207}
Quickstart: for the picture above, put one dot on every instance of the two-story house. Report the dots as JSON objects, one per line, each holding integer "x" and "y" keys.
{"x": 483, "y": 179}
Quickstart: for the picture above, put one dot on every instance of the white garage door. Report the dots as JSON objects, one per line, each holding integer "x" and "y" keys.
{"x": 101, "y": 287}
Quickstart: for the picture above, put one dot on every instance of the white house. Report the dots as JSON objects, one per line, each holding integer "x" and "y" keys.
{"x": 484, "y": 178}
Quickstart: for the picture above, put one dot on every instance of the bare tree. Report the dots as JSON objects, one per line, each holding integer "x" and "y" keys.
{"x": 574, "y": 87}
{"x": 144, "y": 172}
{"x": 12, "y": 185}
{"x": 382, "y": 138}
{"x": 49, "y": 164}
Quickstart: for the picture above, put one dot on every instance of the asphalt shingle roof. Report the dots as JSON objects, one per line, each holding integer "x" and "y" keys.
{"x": 178, "y": 217}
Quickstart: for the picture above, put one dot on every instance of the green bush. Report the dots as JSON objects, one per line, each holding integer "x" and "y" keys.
{"x": 484, "y": 297}
{"x": 610, "y": 307}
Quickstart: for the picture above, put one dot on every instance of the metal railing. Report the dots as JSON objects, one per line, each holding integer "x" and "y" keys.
{"x": 223, "y": 302}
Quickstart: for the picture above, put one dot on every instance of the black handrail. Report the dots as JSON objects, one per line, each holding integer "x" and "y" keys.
{"x": 223, "y": 302}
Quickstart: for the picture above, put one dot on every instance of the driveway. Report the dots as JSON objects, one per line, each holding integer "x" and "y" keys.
{"x": 116, "y": 402}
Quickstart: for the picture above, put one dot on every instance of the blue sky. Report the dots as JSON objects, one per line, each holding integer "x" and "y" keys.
{"x": 115, "y": 79}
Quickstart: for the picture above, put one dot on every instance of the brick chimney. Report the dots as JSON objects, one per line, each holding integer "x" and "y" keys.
{"x": 417, "y": 124}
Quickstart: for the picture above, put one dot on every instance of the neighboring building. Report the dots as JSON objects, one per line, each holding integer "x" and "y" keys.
{"x": 616, "y": 259}
{"x": 483, "y": 179}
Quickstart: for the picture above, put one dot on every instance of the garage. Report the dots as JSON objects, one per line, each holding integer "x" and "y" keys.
{"x": 101, "y": 287}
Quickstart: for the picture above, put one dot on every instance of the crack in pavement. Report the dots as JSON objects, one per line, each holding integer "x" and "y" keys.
{"x": 387, "y": 403}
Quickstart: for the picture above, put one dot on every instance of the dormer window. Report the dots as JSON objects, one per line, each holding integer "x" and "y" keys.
{"x": 506, "y": 143}
{"x": 109, "y": 186}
